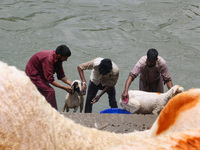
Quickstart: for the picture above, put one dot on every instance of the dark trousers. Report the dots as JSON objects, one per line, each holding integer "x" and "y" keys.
{"x": 91, "y": 93}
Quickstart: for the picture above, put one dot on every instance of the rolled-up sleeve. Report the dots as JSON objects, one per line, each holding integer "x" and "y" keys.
{"x": 165, "y": 73}
{"x": 137, "y": 68}
{"x": 87, "y": 65}
{"x": 134, "y": 72}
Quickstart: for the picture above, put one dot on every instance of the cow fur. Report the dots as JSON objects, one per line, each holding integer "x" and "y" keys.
{"x": 27, "y": 121}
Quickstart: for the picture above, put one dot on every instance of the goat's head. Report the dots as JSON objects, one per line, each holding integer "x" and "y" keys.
{"x": 77, "y": 87}
{"x": 177, "y": 89}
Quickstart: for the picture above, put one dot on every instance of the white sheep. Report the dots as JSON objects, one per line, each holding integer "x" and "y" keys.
{"x": 27, "y": 121}
{"x": 142, "y": 102}
{"x": 76, "y": 99}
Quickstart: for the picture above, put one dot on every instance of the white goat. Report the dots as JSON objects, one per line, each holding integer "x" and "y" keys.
{"x": 23, "y": 126}
{"x": 142, "y": 102}
{"x": 76, "y": 99}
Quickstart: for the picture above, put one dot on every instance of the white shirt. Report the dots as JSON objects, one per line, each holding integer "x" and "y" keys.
{"x": 109, "y": 79}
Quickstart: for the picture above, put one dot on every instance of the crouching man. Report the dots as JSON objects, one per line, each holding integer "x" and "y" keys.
{"x": 104, "y": 76}
{"x": 41, "y": 68}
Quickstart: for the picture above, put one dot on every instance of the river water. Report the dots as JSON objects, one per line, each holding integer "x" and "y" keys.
{"x": 120, "y": 30}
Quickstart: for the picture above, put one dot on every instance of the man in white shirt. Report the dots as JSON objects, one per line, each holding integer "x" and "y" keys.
{"x": 103, "y": 77}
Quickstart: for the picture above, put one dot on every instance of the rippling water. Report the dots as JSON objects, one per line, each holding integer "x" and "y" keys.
{"x": 116, "y": 29}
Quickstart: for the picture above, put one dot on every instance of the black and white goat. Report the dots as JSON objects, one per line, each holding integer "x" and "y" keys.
{"x": 75, "y": 99}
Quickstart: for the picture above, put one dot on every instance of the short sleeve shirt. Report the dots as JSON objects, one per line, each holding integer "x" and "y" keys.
{"x": 109, "y": 79}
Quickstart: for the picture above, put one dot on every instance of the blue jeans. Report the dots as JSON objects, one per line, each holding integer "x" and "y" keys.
{"x": 91, "y": 93}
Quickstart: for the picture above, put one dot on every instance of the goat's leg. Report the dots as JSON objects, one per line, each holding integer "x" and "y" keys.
{"x": 64, "y": 107}
{"x": 67, "y": 109}
{"x": 75, "y": 109}
{"x": 157, "y": 110}
{"x": 81, "y": 107}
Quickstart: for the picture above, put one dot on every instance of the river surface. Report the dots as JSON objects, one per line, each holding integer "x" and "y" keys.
{"x": 120, "y": 30}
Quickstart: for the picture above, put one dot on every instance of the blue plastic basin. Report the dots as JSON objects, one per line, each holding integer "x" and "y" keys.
{"x": 114, "y": 111}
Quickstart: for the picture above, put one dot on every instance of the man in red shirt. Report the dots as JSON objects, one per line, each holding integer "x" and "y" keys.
{"x": 41, "y": 68}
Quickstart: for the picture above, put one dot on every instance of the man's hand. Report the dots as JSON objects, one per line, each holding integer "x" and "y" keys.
{"x": 125, "y": 96}
{"x": 96, "y": 99}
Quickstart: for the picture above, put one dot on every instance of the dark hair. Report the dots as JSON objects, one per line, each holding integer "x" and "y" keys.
{"x": 152, "y": 54}
{"x": 105, "y": 66}
{"x": 63, "y": 50}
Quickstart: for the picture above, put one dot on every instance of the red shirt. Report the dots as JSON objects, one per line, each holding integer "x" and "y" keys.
{"x": 43, "y": 65}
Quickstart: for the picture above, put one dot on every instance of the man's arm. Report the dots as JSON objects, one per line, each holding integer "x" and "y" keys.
{"x": 67, "y": 81}
{"x": 165, "y": 73}
{"x": 127, "y": 85}
{"x": 82, "y": 76}
{"x": 55, "y": 83}
{"x": 169, "y": 84}
{"x": 96, "y": 99}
